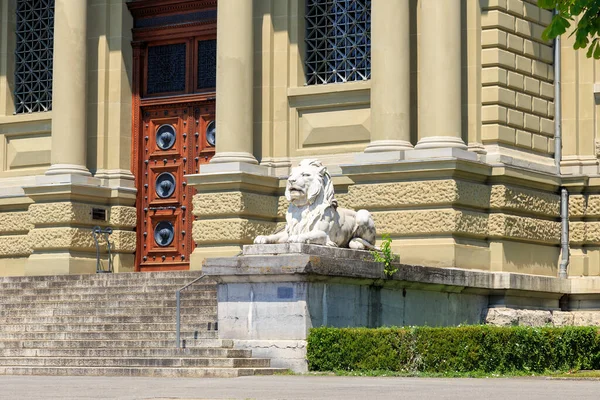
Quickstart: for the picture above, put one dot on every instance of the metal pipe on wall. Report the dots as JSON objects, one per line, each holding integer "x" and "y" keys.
{"x": 557, "y": 106}
{"x": 564, "y": 194}
{"x": 564, "y": 233}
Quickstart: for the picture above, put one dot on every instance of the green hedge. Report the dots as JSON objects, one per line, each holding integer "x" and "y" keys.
{"x": 454, "y": 349}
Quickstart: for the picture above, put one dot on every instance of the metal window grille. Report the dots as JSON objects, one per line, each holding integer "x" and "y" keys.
{"x": 338, "y": 41}
{"x": 33, "y": 56}
{"x": 166, "y": 68}
{"x": 207, "y": 64}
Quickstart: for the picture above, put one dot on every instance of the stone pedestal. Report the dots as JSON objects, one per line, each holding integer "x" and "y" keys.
{"x": 271, "y": 295}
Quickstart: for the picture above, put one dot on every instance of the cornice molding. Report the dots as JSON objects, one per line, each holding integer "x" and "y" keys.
{"x": 145, "y": 8}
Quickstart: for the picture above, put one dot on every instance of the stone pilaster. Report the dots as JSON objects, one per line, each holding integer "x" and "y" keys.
{"x": 440, "y": 75}
{"x": 62, "y": 219}
{"x": 234, "y": 108}
{"x": 69, "y": 85}
{"x": 390, "y": 76}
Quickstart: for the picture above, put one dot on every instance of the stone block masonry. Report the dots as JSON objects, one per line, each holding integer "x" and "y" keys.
{"x": 517, "y": 76}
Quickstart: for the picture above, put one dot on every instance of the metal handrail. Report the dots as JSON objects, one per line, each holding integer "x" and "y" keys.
{"x": 178, "y": 298}
{"x": 106, "y": 233}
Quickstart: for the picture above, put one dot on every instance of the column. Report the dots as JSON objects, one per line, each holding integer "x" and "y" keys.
{"x": 69, "y": 89}
{"x": 440, "y": 75}
{"x": 390, "y": 76}
{"x": 234, "y": 108}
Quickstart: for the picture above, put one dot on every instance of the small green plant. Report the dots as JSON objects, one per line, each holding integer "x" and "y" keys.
{"x": 386, "y": 256}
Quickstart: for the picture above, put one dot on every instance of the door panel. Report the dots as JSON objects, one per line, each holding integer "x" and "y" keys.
{"x": 173, "y": 145}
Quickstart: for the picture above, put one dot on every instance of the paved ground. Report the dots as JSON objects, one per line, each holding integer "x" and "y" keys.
{"x": 292, "y": 387}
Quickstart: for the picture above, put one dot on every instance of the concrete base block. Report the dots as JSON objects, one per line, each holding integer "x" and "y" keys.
{"x": 586, "y": 318}
{"x": 514, "y": 317}
{"x": 526, "y": 258}
{"x": 13, "y": 266}
{"x": 290, "y": 354}
{"x": 501, "y": 317}
{"x": 444, "y": 152}
{"x": 374, "y": 157}
{"x": 523, "y": 317}
{"x": 62, "y": 263}
{"x": 562, "y": 318}
{"x": 201, "y": 253}
{"x": 122, "y": 262}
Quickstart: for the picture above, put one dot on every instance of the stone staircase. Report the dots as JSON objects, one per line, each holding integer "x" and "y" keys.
{"x": 115, "y": 325}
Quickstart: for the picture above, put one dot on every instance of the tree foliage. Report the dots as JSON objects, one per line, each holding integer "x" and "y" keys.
{"x": 586, "y": 31}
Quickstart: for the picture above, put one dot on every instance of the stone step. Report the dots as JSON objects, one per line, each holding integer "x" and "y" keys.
{"x": 218, "y": 352}
{"x": 109, "y": 319}
{"x": 166, "y": 311}
{"x": 109, "y": 304}
{"x": 141, "y": 371}
{"x": 190, "y": 275}
{"x": 156, "y": 288}
{"x": 121, "y": 296}
{"x": 97, "y": 283}
{"x": 121, "y": 335}
{"x": 111, "y": 344}
{"x": 212, "y": 362}
{"x": 36, "y": 327}
{"x": 115, "y": 325}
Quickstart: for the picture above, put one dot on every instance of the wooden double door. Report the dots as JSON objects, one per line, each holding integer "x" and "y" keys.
{"x": 174, "y": 141}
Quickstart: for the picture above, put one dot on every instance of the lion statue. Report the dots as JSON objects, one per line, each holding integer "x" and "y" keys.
{"x": 313, "y": 216}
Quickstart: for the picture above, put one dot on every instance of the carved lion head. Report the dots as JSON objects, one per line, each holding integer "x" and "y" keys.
{"x": 308, "y": 183}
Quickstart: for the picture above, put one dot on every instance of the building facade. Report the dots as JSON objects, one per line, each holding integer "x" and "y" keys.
{"x": 176, "y": 123}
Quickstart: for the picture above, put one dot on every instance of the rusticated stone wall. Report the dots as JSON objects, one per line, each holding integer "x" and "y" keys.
{"x": 65, "y": 228}
{"x": 233, "y": 217}
{"x": 584, "y": 233}
{"x": 441, "y": 220}
{"x": 523, "y": 317}
{"x": 53, "y": 214}
{"x": 14, "y": 226}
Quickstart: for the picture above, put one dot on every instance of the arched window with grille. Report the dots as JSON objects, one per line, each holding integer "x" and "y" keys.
{"x": 338, "y": 41}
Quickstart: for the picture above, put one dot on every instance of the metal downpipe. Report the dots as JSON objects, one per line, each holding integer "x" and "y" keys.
{"x": 564, "y": 233}
{"x": 564, "y": 194}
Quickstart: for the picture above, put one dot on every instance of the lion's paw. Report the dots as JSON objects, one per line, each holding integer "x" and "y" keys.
{"x": 261, "y": 240}
{"x": 297, "y": 239}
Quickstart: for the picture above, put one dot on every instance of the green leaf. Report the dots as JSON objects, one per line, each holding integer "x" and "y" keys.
{"x": 547, "y": 4}
{"x": 557, "y": 27}
{"x": 591, "y": 49}
{"x": 597, "y": 51}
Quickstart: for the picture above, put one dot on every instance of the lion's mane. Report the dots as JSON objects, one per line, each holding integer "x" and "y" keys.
{"x": 302, "y": 219}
